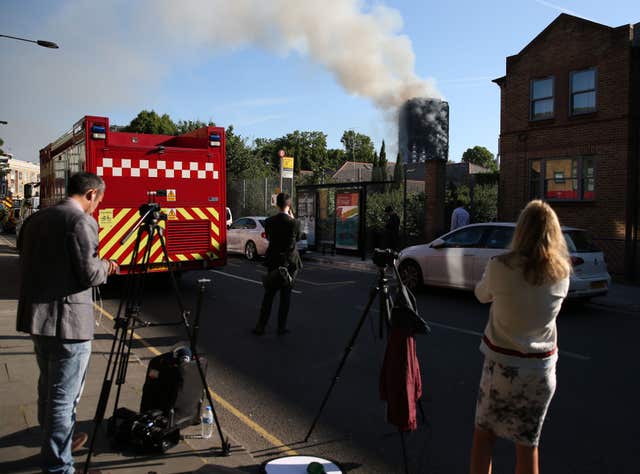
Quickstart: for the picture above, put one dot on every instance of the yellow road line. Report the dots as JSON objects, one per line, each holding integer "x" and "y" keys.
{"x": 224, "y": 403}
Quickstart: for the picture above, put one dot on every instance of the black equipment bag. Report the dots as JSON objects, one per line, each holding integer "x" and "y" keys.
{"x": 148, "y": 432}
{"x": 174, "y": 387}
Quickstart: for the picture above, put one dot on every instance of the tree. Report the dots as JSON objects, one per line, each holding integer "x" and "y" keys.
{"x": 382, "y": 162}
{"x": 148, "y": 121}
{"x": 335, "y": 158}
{"x": 358, "y": 147}
{"x": 241, "y": 162}
{"x": 479, "y": 155}
{"x": 398, "y": 173}
{"x": 186, "y": 126}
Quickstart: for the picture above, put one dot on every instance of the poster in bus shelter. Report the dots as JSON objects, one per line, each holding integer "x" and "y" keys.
{"x": 307, "y": 215}
{"x": 347, "y": 220}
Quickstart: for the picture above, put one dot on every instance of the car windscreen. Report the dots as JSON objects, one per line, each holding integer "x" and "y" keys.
{"x": 579, "y": 241}
{"x": 262, "y": 221}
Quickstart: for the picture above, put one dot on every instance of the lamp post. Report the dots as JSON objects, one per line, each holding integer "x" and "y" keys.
{"x": 43, "y": 43}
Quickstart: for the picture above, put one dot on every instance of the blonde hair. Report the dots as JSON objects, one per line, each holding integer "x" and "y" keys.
{"x": 538, "y": 245}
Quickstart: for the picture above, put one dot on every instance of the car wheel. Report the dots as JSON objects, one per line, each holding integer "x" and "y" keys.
{"x": 250, "y": 250}
{"x": 411, "y": 274}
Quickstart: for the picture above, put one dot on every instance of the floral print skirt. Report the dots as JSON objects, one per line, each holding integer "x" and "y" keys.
{"x": 513, "y": 401}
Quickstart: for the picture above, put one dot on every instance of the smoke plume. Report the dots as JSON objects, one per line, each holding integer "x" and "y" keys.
{"x": 361, "y": 47}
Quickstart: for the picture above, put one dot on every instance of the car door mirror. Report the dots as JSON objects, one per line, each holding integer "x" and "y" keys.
{"x": 438, "y": 244}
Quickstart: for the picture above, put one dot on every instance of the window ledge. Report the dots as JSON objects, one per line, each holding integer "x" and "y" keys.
{"x": 542, "y": 120}
{"x": 591, "y": 113}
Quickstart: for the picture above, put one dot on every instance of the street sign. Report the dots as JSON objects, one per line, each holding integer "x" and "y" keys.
{"x": 286, "y": 167}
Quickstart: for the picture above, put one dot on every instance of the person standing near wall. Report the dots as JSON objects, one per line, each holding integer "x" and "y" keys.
{"x": 460, "y": 216}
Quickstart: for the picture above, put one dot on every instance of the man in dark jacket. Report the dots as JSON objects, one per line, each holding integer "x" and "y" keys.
{"x": 283, "y": 233}
{"x": 59, "y": 264}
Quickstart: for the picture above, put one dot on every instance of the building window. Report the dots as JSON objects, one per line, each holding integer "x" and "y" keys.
{"x": 542, "y": 98}
{"x": 583, "y": 91}
{"x": 563, "y": 179}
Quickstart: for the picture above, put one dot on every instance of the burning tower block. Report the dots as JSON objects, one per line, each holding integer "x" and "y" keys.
{"x": 423, "y": 137}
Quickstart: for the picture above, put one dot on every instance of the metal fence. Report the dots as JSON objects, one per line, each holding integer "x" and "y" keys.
{"x": 252, "y": 197}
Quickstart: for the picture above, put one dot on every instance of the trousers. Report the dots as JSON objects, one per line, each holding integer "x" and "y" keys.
{"x": 283, "y": 308}
{"x": 63, "y": 367}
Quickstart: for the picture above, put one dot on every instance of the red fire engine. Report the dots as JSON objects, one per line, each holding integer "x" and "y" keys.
{"x": 189, "y": 169}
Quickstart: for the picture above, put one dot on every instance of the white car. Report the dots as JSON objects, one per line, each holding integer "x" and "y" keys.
{"x": 247, "y": 236}
{"x": 458, "y": 259}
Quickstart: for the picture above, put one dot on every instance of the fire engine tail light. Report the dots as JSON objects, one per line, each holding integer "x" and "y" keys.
{"x": 98, "y": 132}
{"x": 214, "y": 139}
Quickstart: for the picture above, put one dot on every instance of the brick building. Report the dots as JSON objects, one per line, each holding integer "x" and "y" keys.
{"x": 570, "y": 122}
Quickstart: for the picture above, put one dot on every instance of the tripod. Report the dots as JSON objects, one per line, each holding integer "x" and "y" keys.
{"x": 128, "y": 319}
{"x": 380, "y": 290}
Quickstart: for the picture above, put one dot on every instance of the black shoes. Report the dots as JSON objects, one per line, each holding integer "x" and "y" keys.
{"x": 282, "y": 332}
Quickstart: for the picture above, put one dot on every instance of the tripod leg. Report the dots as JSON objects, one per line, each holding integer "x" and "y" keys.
{"x": 372, "y": 297}
{"x": 128, "y": 302}
{"x": 404, "y": 452}
{"x": 225, "y": 445}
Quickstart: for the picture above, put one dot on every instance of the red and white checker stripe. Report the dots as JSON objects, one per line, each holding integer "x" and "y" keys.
{"x": 125, "y": 167}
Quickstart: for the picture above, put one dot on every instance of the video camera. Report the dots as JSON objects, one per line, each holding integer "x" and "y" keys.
{"x": 384, "y": 258}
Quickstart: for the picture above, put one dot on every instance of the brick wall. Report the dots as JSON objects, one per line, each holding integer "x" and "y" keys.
{"x": 571, "y": 44}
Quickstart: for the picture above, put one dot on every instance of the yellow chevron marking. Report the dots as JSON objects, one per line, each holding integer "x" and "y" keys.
{"x": 215, "y": 229}
{"x": 197, "y": 256}
{"x": 183, "y": 212}
{"x": 181, "y": 257}
{"x": 215, "y": 244}
{"x": 122, "y": 249}
{"x": 200, "y": 214}
{"x": 213, "y": 211}
{"x": 124, "y": 228}
{"x": 119, "y": 216}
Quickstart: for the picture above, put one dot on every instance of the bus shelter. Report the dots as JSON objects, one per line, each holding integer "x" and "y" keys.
{"x": 334, "y": 216}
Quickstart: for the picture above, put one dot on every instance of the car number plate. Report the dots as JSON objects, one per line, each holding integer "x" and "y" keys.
{"x": 598, "y": 284}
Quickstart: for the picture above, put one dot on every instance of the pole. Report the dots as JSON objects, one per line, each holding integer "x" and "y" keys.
{"x": 404, "y": 204}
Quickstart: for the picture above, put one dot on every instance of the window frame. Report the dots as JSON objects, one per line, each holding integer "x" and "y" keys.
{"x": 573, "y": 113}
{"x": 580, "y": 177}
{"x": 532, "y": 101}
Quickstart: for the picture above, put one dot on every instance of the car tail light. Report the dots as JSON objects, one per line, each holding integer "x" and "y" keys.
{"x": 263, "y": 235}
{"x": 575, "y": 261}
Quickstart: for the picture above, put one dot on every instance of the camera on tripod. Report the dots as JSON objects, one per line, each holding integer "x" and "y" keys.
{"x": 384, "y": 258}
{"x": 151, "y": 212}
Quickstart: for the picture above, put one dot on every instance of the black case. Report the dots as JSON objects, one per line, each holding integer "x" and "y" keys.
{"x": 174, "y": 385}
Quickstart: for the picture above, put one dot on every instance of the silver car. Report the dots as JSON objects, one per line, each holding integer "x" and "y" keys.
{"x": 458, "y": 259}
{"x": 247, "y": 236}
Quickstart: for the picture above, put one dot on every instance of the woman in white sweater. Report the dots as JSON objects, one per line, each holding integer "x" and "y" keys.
{"x": 526, "y": 288}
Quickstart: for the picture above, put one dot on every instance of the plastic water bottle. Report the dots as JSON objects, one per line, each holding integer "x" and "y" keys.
{"x": 207, "y": 423}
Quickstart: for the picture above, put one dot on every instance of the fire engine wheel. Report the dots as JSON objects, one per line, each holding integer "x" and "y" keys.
{"x": 250, "y": 250}
{"x": 411, "y": 274}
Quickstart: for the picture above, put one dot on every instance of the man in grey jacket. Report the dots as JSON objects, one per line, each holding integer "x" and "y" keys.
{"x": 59, "y": 265}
